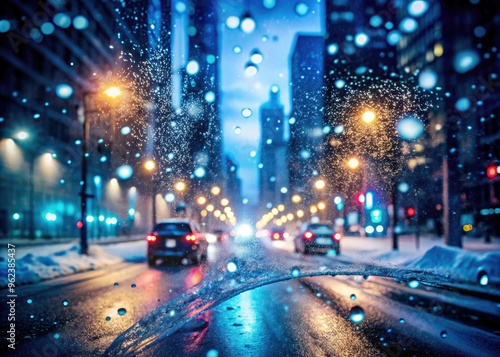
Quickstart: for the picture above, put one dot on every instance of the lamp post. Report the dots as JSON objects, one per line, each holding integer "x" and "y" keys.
{"x": 23, "y": 136}
{"x": 150, "y": 165}
{"x": 89, "y": 107}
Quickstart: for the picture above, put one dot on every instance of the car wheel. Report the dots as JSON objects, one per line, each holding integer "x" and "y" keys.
{"x": 151, "y": 260}
{"x": 197, "y": 258}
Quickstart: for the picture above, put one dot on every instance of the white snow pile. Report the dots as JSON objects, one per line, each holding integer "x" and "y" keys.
{"x": 32, "y": 267}
{"x": 474, "y": 267}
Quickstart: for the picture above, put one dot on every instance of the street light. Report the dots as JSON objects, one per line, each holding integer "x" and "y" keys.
{"x": 201, "y": 200}
{"x": 215, "y": 190}
{"x": 180, "y": 186}
{"x": 296, "y": 199}
{"x": 150, "y": 165}
{"x": 353, "y": 163}
{"x": 368, "y": 116}
{"x": 320, "y": 184}
{"x": 22, "y": 136}
{"x": 88, "y": 107}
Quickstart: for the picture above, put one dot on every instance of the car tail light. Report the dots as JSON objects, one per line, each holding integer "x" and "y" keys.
{"x": 152, "y": 237}
{"x": 308, "y": 235}
{"x": 190, "y": 237}
{"x": 276, "y": 236}
{"x": 337, "y": 236}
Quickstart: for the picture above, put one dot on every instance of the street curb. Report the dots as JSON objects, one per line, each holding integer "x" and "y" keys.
{"x": 39, "y": 242}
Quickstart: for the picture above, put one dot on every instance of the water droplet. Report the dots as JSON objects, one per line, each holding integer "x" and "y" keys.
{"x": 353, "y": 297}
{"x": 356, "y": 315}
{"x": 108, "y": 318}
{"x": 29, "y": 301}
{"x": 237, "y": 130}
{"x": 116, "y": 284}
{"x": 32, "y": 316}
{"x": 366, "y": 277}
{"x": 184, "y": 261}
{"x": 133, "y": 286}
{"x": 444, "y": 334}
{"x": 231, "y": 267}
{"x": 413, "y": 284}
{"x": 212, "y": 353}
{"x": 56, "y": 335}
{"x": 122, "y": 311}
{"x": 65, "y": 303}
{"x": 402, "y": 321}
{"x": 295, "y": 272}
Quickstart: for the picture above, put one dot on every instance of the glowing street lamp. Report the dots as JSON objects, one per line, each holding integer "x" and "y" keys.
{"x": 368, "y": 116}
{"x": 180, "y": 186}
{"x": 201, "y": 200}
{"x": 224, "y": 202}
{"x": 22, "y": 135}
{"x": 150, "y": 165}
{"x": 113, "y": 92}
{"x": 320, "y": 184}
{"x": 296, "y": 199}
{"x": 353, "y": 163}
{"x": 215, "y": 190}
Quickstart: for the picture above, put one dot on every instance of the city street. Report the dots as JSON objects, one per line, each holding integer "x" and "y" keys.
{"x": 301, "y": 317}
{"x": 250, "y": 178}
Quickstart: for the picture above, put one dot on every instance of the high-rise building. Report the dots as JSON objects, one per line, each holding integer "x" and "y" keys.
{"x": 53, "y": 54}
{"x": 273, "y": 152}
{"x": 306, "y": 118}
{"x": 459, "y": 54}
{"x": 200, "y": 97}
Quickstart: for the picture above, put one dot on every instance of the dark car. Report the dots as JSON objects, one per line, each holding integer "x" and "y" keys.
{"x": 221, "y": 235}
{"x": 317, "y": 238}
{"x": 176, "y": 238}
{"x": 278, "y": 234}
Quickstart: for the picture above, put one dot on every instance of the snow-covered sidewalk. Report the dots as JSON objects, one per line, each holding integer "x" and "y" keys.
{"x": 51, "y": 261}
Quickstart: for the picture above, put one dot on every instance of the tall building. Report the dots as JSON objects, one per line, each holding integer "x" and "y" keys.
{"x": 306, "y": 118}
{"x": 273, "y": 152}
{"x": 53, "y": 55}
{"x": 459, "y": 54}
{"x": 200, "y": 97}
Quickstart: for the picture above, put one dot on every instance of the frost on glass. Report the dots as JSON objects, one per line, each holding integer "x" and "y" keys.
{"x": 232, "y": 277}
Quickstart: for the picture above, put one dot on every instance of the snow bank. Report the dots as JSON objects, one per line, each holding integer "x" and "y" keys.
{"x": 35, "y": 267}
{"x": 460, "y": 264}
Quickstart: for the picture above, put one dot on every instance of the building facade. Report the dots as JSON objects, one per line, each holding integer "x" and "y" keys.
{"x": 53, "y": 56}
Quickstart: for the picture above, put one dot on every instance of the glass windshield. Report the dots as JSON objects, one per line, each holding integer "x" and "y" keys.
{"x": 173, "y": 228}
{"x": 250, "y": 177}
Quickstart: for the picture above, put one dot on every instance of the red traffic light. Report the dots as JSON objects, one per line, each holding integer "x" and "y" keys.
{"x": 410, "y": 212}
{"x": 79, "y": 224}
{"x": 492, "y": 171}
{"x": 360, "y": 198}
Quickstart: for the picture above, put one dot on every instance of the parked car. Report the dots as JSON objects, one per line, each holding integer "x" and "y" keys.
{"x": 176, "y": 238}
{"x": 317, "y": 238}
{"x": 278, "y": 234}
{"x": 221, "y": 235}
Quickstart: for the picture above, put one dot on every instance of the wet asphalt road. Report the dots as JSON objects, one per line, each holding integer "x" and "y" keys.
{"x": 287, "y": 318}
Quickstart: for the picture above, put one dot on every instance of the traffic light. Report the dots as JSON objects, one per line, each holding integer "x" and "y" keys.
{"x": 410, "y": 212}
{"x": 492, "y": 171}
{"x": 360, "y": 198}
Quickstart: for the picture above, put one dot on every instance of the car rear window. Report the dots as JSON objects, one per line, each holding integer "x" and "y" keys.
{"x": 173, "y": 228}
{"x": 320, "y": 228}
